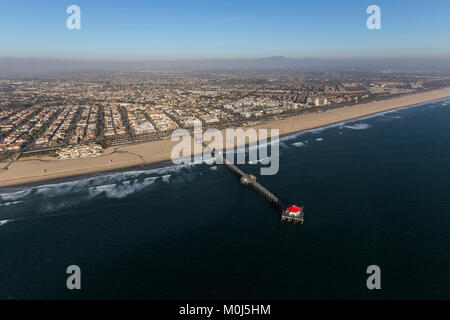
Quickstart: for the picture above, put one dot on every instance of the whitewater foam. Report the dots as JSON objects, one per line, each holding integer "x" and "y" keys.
{"x": 2, "y": 222}
{"x": 299, "y": 144}
{"x": 13, "y": 196}
{"x": 358, "y": 126}
{"x": 121, "y": 190}
{"x": 99, "y": 182}
{"x": 7, "y": 204}
{"x": 314, "y": 131}
{"x": 262, "y": 161}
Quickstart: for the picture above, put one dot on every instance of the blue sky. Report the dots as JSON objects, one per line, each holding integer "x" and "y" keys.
{"x": 190, "y": 29}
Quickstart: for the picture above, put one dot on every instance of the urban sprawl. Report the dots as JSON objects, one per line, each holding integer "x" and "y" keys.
{"x": 76, "y": 116}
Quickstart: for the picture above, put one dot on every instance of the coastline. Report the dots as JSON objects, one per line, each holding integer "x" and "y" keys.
{"x": 29, "y": 171}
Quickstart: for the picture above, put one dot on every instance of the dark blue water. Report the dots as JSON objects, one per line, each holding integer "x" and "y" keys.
{"x": 376, "y": 191}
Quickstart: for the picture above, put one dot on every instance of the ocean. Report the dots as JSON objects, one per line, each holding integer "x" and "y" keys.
{"x": 375, "y": 192}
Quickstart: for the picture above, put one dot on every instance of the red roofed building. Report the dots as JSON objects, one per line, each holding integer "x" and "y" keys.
{"x": 293, "y": 211}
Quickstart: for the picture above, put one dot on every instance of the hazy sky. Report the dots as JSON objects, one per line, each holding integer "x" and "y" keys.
{"x": 189, "y": 29}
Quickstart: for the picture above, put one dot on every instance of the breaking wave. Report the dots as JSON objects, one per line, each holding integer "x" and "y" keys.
{"x": 166, "y": 178}
{"x": 262, "y": 161}
{"x": 2, "y": 222}
{"x": 299, "y": 144}
{"x": 358, "y": 126}
{"x": 122, "y": 189}
{"x": 39, "y": 201}
{"x": 313, "y": 131}
{"x": 13, "y": 196}
{"x": 7, "y": 204}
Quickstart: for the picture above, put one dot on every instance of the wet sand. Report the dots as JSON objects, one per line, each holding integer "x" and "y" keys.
{"x": 30, "y": 170}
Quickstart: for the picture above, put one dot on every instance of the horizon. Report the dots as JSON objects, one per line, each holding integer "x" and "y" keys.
{"x": 10, "y": 66}
{"x": 235, "y": 30}
{"x": 184, "y": 59}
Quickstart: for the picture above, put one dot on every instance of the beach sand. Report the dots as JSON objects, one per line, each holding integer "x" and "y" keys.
{"x": 30, "y": 170}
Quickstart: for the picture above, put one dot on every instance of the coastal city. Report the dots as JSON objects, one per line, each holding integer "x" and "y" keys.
{"x": 225, "y": 159}
{"x": 76, "y": 116}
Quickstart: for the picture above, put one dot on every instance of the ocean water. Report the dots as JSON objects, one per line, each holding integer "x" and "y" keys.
{"x": 375, "y": 191}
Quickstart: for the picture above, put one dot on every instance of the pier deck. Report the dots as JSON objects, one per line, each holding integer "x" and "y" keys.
{"x": 288, "y": 218}
{"x": 250, "y": 180}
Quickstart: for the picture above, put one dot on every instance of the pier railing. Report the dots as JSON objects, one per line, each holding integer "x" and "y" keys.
{"x": 250, "y": 180}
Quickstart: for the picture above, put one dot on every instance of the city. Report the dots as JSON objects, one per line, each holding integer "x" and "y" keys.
{"x": 72, "y": 115}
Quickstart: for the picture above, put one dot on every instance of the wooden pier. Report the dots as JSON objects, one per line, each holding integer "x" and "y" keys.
{"x": 250, "y": 180}
{"x": 288, "y": 218}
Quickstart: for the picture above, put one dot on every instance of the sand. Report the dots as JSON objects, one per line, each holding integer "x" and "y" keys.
{"x": 30, "y": 170}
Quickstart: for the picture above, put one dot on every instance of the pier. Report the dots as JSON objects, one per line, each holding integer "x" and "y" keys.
{"x": 287, "y": 218}
{"x": 250, "y": 180}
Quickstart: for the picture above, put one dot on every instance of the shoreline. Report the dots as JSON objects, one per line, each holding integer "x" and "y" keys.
{"x": 156, "y": 154}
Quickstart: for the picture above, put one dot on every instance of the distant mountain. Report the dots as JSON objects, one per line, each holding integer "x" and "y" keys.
{"x": 271, "y": 64}
{"x": 277, "y": 58}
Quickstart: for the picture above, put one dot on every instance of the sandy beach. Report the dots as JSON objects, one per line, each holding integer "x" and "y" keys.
{"x": 30, "y": 170}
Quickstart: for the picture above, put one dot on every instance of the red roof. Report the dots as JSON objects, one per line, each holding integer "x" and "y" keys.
{"x": 293, "y": 209}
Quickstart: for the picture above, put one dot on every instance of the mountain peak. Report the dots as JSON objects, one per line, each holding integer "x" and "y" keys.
{"x": 277, "y": 58}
